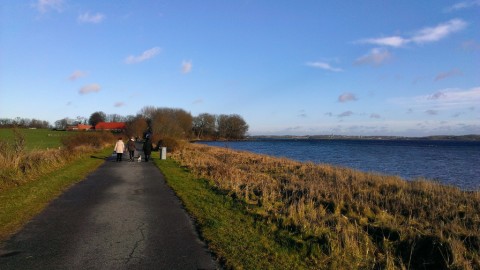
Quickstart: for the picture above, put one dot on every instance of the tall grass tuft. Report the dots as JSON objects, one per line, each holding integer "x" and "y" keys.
{"x": 18, "y": 166}
{"x": 341, "y": 218}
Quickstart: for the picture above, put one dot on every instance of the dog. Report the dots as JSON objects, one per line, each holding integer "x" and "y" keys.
{"x": 139, "y": 159}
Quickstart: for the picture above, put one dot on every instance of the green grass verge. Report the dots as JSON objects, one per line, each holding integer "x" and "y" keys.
{"x": 20, "y": 204}
{"x": 240, "y": 240}
{"x": 37, "y": 138}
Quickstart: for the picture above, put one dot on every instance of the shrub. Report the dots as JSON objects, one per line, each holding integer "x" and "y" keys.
{"x": 93, "y": 139}
{"x": 172, "y": 144}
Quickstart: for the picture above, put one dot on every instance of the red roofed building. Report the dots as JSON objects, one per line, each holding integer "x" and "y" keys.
{"x": 79, "y": 127}
{"x": 115, "y": 126}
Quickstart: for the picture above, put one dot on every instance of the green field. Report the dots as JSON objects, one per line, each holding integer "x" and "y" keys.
{"x": 18, "y": 205}
{"x": 37, "y": 138}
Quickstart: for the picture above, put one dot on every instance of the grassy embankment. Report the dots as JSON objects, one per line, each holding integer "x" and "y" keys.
{"x": 31, "y": 175}
{"x": 258, "y": 212}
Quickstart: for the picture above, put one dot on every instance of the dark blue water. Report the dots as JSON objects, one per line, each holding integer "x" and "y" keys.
{"x": 449, "y": 162}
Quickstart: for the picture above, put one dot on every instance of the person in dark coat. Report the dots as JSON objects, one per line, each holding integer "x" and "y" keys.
{"x": 131, "y": 148}
{"x": 147, "y": 149}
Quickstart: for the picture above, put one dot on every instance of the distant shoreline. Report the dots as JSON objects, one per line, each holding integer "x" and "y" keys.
{"x": 346, "y": 137}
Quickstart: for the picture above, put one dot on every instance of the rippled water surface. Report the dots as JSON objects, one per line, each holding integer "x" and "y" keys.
{"x": 450, "y": 162}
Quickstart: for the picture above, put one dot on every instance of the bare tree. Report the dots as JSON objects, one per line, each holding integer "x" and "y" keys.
{"x": 96, "y": 118}
{"x": 115, "y": 118}
{"x": 204, "y": 125}
{"x": 168, "y": 122}
{"x": 136, "y": 126}
{"x": 61, "y": 124}
{"x": 231, "y": 126}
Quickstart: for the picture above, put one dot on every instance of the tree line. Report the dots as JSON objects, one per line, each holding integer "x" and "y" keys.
{"x": 161, "y": 122}
{"x": 23, "y": 123}
{"x": 178, "y": 123}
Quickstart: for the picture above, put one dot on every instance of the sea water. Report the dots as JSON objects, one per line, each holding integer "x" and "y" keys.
{"x": 450, "y": 162}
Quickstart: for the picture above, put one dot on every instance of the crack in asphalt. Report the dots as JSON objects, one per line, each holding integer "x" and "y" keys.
{"x": 135, "y": 246}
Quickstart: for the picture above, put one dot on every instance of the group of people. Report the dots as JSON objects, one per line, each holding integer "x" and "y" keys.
{"x": 120, "y": 148}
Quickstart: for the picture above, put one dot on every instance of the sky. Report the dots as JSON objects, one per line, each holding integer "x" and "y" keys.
{"x": 383, "y": 67}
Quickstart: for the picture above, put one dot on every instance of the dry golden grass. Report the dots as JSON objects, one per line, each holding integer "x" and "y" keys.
{"x": 19, "y": 166}
{"x": 348, "y": 219}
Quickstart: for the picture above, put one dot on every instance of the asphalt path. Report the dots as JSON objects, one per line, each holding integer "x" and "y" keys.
{"x": 122, "y": 216}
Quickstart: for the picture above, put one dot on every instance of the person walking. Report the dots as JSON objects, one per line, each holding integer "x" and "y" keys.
{"x": 147, "y": 149}
{"x": 131, "y": 148}
{"x": 119, "y": 148}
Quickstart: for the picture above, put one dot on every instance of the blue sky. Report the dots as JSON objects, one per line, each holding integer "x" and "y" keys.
{"x": 409, "y": 68}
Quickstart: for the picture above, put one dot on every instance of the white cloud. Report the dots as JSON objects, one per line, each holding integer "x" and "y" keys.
{"x": 431, "y": 112}
{"x": 302, "y": 114}
{"x": 451, "y": 73}
{"x": 394, "y": 41}
{"x": 91, "y": 88}
{"x": 463, "y": 5}
{"x": 471, "y": 45}
{"x": 44, "y": 6}
{"x": 119, "y": 104}
{"x": 425, "y": 35}
{"x": 446, "y": 99}
{"x": 187, "y": 67}
{"x": 150, "y": 53}
{"x": 431, "y": 34}
{"x": 324, "y": 66}
{"x": 345, "y": 114}
{"x": 346, "y": 97}
{"x": 90, "y": 18}
{"x": 77, "y": 74}
{"x": 376, "y": 56}
{"x": 375, "y": 115}
{"x": 197, "y": 101}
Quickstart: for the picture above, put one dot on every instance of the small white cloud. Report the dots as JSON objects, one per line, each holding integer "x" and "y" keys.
{"x": 394, "y": 41}
{"x": 437, "y": 95}
{"x": 197, "y": 101}
{"x": 346, "y": 97}
{"x": 431, "y": 34}
{"x": 451, "y": 73}
{"x": 43, "y": 6}
{"x": 302, "y": 114}
{"x": 150, "y": 53}
{"x": 471, "y": 46}
{"x": 91, "y": 88}
{"x": 375, "y": 115}
{"x": 376, "y": 56}
{"x": 345, "y": 114}
{"x": 431, "y": 112}
{"x": 463, "y": 5}
{"x": 77, "y": 74}
{"x": 187, "y": 67}
{"x": 323, "y": 65}
{"x": 90, "y": 18}
{"x": 119, "y": 104}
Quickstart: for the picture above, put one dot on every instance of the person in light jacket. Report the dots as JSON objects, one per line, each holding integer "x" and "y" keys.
{"x": 119, "y": 148}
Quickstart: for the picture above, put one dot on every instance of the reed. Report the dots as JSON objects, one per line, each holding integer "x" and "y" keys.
{"x": 341, "y": 218}
{"x": 19, "y": 166}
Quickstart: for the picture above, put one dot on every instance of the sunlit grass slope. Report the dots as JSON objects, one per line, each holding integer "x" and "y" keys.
{"x": 330, "y": 217}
